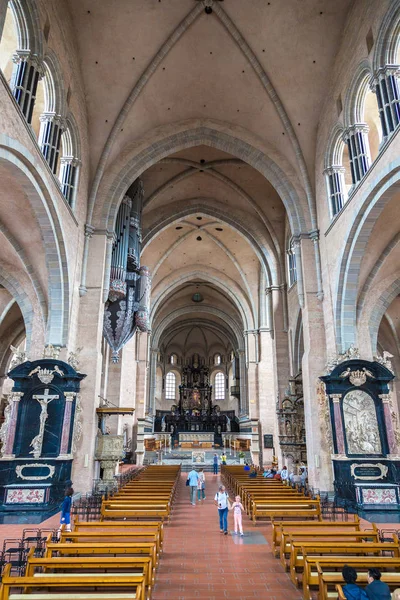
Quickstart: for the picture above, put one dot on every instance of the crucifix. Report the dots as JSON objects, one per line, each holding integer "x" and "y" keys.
{"x": 44, "y": 400}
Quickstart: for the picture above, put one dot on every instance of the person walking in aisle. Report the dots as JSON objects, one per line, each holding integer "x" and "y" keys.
{"x": 193, "y": 479}
{"x": 201, "y": 486}
{"x": 65, "y": 517}
{"x": 221, "y": 500}
{"x": 215, "y": 464}
{"x": 237, "y": 515}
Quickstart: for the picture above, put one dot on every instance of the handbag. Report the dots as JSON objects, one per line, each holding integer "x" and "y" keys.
{"x": 187, "y": 481}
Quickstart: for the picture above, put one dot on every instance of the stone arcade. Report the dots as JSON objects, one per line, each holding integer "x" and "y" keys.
{"x": 199, "y": 241}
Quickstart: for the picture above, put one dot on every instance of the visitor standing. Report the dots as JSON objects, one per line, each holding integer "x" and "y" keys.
{"x": 284, "y": 474}
{"x": 65, "y": 517}
{"x": 221, "y": 500}
{"x": 193, "y": 479}
{"x": 215, "y": 464}
{"x": 201, "y": 486}
{"x": 223, "y": 458}
{"x": 237, "y": 515}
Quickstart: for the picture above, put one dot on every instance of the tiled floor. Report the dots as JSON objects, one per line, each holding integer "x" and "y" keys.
{"x": 199, "y": 562}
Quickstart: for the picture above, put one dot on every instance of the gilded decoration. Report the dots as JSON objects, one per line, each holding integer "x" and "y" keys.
{"x": 350, "y": 354}
{"x": 361, "y": 424}
{"x": 358, "y": 377}
{"x": 383, "y": 469}
{"x": 46, "y": 376}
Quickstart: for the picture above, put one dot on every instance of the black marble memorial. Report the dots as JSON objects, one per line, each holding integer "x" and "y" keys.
{"x": 365, "y": 453}
{"x": 41, "y": 427}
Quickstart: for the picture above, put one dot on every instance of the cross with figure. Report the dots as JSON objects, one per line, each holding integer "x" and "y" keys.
{"x": 44, "y": 400}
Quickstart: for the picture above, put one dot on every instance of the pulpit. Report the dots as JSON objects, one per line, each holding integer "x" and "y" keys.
{"x": 39, "y": 435}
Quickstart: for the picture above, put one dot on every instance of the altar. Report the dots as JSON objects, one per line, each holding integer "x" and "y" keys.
{"x": 196, "y": 437}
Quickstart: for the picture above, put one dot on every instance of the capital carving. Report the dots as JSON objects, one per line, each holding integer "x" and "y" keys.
{"x": 69, "y": 396}
{"x": 89, "y": 230}
{"x": 385, "y": 398}
{"x": 335, "y": 397}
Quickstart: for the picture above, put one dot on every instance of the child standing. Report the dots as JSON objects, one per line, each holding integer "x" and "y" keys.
{"x": 65, "y": 518}
{"x": 237, "y": 515}
{"x": 201, "y": 486}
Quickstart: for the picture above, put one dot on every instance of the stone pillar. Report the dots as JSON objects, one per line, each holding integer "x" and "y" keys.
{"x": 25, "y": 81}
{"x": 244, "y": 400}
{"x": 356, "y": 138}
{"x": 153, "y": 380}
{"x": 66, "y": 427}
{"x": 251, "y": 340}
{"x": 296, "y": 249}
{"x": 282, "y": 369}
{"x": 51, "y": 128}
{"x": 267, "y": 392}
{"x": 11, "y": 424}
{"x": 313, "y": 365}
{"x": 3, "y": 12}
{"x": 339, "y": 429}
{"x": 91, "y": 313}
{"x": 335, "y": 187}
{"x": 386, "y": 87}
{"x": 387, "y": 413}
{"x": 128, "y": 388}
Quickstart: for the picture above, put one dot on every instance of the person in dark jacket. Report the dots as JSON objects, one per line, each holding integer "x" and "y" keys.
{"x": 65, "y": 517}
{"x": 377, "y": 589}
{"x": 351, "y": 590}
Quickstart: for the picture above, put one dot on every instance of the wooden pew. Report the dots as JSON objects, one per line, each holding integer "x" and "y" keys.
{"x": 122, "y": 525}
{"x": 392, "y": 579}
{"x": 116, "y": 536}
{"x": 342, "y": 548}
{"x": 288, "y": 537}
{"x": 100, "y": 549}
{"x": 278, "y": 526}
{"x": 133, "y": 512}
{"x": 329, "y": 564}
{"x": 73, "y": 586}
{"x": 300, "y": 508}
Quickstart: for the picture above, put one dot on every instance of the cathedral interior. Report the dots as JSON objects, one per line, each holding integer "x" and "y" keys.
{"x": 199, "y": 240}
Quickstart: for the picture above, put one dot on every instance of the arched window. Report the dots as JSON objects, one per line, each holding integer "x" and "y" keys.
{"x": 338, "y": 172}
{"x": 170, "y": 385}
{"x": 217, "y": 359}
{"x": 173, "y": 359}
{"x": 8, "y": 45}
{"x": 219, "y": 385}
{"x": 69, "y": 162}
{"x": 291, "y": 264}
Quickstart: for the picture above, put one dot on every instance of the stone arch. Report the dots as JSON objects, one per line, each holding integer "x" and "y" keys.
{"x": 185, "y": 208}
{"x": 229, "y": 287}
{"x": 388, "y": 38}
{"x": 135, "y": 160}
{"x": 381, "y": 306}
{"x": 377, "y": 196}
{"x": 13, "y": 286}
{"x": 206, "y": 310}
{"x": 27, "y": 19}
{"x": 53, "y": 81}
{"x": 334, "y": 148}
{"x": 32, "y": 180}
{"x": 356, "y": 93}
{"x": 214, "y": 326}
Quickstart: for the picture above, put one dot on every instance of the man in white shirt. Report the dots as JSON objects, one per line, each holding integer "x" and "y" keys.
{"x": 193, "y": 479}
{"x": 221, "y": 500}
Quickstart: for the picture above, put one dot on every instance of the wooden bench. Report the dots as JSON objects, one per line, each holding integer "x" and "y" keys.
{"x": 329, "y": 564}
{"x": 122, "y": 525}
{"x": 342, "y": 548}
{"x": 285, "y": 508}
{"x": 101, "y": 548}
{"x": 278, "y": 526}
{"x": 72, "y": 586}
{"x": 110, "y": 536}
{"x": 392, "y": 579}
{"x": 134, "y": 513}
{"x": 288, "y": 537}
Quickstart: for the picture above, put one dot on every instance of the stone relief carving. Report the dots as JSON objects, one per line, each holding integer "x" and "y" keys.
{"x": 350, "y": 354}
{"x": 77, "y": 434}
{"x": 361, "y": 424}
{"x": 324, "y": 414}
{"x": 51, "y": 351}
{"x": 19, "y": 357}
{"x": 46, "y": 375}
{"x": 385, "y": 360}
{"x": 6, "y": 424}
{"x": 73, "y": 359}
{"x": 357, "y": 377}
{"x": 20, "y": 468}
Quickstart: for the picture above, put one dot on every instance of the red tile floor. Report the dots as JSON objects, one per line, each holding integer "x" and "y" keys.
{"x": 199, "y": 562}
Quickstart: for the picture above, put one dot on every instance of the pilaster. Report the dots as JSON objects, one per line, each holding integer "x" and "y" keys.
{"x": 339, "y": 429}
{"x": 66, "y": 427}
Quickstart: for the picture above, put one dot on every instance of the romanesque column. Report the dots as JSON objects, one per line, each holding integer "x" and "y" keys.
{"x": 51, "y": 128}
{"x": 339, "y": 429}
{"x": 386, "y": 87}
{"x": 336, "y": 187}
{"x": 244, "y": 401}
{"x": 387, "y": 413}
{"x": 68, "y": 177}
{"x": 153, "y": 381}
{"x": 66, "y": 427}
{"x": 9, "y": 434}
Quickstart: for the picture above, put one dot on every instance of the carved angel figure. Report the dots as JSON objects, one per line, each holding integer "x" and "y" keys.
{"x": 19, "y": 357}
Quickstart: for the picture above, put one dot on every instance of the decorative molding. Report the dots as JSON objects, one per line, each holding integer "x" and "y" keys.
{"x": 20, "y": 468}
{"x": 46, "y": 376}
{"x": 383, "y": 468}
{"x": 51, "y": 351}
{"x": 358, "y": 377}
{"x": 350, "y": 354}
